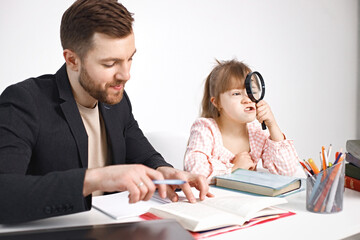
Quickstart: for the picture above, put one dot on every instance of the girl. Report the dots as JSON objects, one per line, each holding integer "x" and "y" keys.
{"x": 227, "y": 136}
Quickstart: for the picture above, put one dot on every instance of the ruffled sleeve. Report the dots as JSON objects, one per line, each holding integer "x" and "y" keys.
{"x": 202, "y": 154}
{"x": 278, "y": 157}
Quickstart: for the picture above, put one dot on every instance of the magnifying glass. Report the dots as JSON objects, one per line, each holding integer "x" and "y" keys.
{"x": 255, "y": 88}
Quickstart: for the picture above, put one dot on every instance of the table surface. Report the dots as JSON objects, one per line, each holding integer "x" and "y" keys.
{"x": 299, "y": 226}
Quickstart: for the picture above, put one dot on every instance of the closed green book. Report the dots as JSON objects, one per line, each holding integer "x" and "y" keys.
{"x": 262, "y": 183}
{"x": 352, "y": 171}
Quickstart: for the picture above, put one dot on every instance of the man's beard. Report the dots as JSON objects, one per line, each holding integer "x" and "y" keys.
{"x": 96, "y": 92}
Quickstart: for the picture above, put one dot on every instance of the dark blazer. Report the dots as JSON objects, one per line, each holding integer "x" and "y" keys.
{"x": 44, "y": 148}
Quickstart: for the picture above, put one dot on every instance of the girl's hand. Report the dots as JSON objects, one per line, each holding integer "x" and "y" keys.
{"x": 243, "y": 160}
{"x": 264, "y": 114}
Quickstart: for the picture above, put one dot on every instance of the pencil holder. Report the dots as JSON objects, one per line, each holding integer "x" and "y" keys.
{"x": 325, "y": 190}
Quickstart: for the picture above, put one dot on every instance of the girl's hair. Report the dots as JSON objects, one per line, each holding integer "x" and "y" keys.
{"x": 225, "y": 76}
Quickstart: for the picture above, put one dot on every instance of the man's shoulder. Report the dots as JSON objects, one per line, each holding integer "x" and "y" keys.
{"x": 40, "y": 82}
{"x": 33, "y": 83}
{"x": 39, "y": 88}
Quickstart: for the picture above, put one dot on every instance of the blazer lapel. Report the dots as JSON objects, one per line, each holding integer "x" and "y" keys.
{"x": 72, "y": 115}
{"x": 114, "y": 131}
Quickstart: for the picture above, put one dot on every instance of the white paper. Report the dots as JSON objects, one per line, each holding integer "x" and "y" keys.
{"x": 117, "y": 205}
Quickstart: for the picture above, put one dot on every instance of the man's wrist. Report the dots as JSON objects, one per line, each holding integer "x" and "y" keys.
{"x": 167, "y": 171}
{"x": 163, "y": 167}
{"x": 90, "y": 181}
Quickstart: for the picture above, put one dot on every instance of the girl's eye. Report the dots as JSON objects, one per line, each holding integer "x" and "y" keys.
{"x": 237, "y": 93}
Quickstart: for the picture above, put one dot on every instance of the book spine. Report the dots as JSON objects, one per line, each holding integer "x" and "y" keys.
{"x": 352, "y": 171}
{"x": 351, "y": 159}
{"x": 353, "y": 147}
{"x": 352, "y": 183}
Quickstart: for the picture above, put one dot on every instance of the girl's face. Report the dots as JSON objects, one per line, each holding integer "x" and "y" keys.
{"x": 237, "y": 106}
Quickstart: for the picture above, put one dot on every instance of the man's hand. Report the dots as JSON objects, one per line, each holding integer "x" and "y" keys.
{"x": 192, "y": 180}
{"x": 137, "y": 179}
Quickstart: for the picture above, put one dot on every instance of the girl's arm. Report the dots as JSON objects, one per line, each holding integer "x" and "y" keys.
{"x": 199, "y": 157}
{"x": 280, "y": 157}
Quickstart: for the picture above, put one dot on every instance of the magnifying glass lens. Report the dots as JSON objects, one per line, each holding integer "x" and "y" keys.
{"x": 255, "y": 87}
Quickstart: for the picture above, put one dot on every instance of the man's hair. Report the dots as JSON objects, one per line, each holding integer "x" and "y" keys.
{"x": 86, "y": 17}
{"x": 225, "y": 76}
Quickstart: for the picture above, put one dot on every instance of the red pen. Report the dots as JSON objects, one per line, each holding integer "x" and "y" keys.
{"x": 305, "y": 166}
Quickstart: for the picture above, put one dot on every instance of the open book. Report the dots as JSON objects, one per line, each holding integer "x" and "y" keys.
{"x": 219, "y": 211}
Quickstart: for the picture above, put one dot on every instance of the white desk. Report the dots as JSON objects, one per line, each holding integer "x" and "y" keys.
{"x": 323, "y": 226}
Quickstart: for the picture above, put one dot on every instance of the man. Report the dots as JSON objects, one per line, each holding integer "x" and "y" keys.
{"x": 67, "y": 136}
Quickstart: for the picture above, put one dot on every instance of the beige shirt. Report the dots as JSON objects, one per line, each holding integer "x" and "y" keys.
{"x": 97, "y": 143}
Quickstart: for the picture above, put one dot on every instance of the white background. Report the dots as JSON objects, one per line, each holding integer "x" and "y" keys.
{"x": 306, "y": 50}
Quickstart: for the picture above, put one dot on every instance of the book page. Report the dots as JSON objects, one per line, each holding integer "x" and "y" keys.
{"x": 218, "y": 211}
{"x": 197, "y": 216}
{"x": 246, "y": 206}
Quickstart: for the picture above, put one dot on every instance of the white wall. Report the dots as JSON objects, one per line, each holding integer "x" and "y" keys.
{"x": 307, "y": 52}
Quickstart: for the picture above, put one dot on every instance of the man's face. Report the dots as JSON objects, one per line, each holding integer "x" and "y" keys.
{"x": 106, "y": 67}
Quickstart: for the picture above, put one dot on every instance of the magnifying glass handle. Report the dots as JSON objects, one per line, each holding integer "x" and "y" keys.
{"x": 263, "y": 126}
